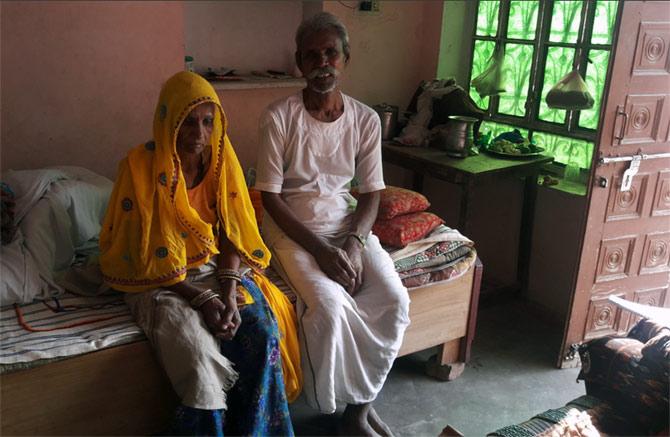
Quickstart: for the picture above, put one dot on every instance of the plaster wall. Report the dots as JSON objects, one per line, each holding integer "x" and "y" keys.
{"x": 243, "y": 109}
{"x": 391, "y": 51}
{"x": 80, "y": 79}
{"x": 456, "y": 40}
{"x": 244, "y": 35}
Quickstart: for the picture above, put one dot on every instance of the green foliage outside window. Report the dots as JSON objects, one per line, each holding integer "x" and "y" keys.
{"x": 514, "y": 24}
{"x": 522, "y": 19}
{"x": 566, "y": 150}
{"x": 483, "y": 52}
{"x": 517, "y": 67}
{"x": 603, "y": 23}
{"x": 565, "y": 21}
{"x": 596, "y": 72}
{"x": 487, "y": 17}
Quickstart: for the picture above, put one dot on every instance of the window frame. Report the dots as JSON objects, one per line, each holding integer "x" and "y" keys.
{"x": 541, "y": 44}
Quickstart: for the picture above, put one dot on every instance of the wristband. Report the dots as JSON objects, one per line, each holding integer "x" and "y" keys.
{"x": 360, "y": 238}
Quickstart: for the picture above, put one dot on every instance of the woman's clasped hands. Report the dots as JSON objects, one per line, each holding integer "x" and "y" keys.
{"x": 222, "y": 315}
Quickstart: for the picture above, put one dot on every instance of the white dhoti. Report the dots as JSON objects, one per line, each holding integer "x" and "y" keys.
{"x": 348, "y": 344}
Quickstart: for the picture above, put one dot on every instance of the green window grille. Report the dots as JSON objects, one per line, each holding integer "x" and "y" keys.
{"x": 543, "y": 41}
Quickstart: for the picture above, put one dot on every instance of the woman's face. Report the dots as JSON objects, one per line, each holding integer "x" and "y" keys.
{"x": 196, "y": 130}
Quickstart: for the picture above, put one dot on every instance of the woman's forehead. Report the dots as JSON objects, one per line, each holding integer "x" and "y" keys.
{"x": 203, "y": 110}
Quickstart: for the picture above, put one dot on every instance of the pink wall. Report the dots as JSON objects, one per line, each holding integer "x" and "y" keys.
{"x": 244, "y": 35}
{"x": 80, "y": 79}
{"x": 392, "y": 50}
{"x": 243, "y": 109}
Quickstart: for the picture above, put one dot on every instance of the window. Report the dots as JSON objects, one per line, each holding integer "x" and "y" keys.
{"x": 543, "y": 40}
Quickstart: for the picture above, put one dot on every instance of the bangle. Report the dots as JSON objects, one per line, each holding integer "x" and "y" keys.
{"x": 360, "y": 238}
{"x": 237, "y": 278}
{"x": 224, "y": 274}
{"x": 201, "y": 298}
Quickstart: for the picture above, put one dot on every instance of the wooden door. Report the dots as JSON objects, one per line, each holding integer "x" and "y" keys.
{"x": 626, "y": 245}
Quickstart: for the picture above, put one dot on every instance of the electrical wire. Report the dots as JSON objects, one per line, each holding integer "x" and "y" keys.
{"x": 346, "y": 5}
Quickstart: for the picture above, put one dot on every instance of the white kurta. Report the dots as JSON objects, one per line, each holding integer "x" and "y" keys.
{"x": 348, "y": 344}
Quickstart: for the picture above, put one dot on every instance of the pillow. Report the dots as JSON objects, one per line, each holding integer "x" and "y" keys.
{"x": 396, "y": 201}
{"x": 403, "y": 229}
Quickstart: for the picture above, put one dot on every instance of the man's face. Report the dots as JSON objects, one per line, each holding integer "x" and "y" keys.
{"x": 321, "y": 60}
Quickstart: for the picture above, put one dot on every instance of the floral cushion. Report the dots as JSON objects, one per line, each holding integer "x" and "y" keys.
{"x": 396, "y": 201}
{"x": 403, "y": 229}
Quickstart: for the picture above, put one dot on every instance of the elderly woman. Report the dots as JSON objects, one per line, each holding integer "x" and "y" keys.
{"x": 178, "y": 228}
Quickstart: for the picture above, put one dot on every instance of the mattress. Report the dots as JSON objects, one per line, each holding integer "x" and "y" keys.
{"x": 64, "y": 326}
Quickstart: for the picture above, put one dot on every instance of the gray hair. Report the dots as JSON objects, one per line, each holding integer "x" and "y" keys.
{"x": 319, "y": 22}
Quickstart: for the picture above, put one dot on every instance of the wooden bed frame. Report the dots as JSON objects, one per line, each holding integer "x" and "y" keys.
{"x": 123, "y": 391}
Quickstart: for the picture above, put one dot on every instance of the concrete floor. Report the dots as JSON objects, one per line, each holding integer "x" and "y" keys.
{"x": 511, "y": 377}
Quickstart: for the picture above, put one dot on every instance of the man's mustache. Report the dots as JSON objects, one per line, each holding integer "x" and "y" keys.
{"x": 323, "y": 70}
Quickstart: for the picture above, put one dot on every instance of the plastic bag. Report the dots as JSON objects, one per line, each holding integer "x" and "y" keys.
{"x": 570, "y": 93}
{"x": 492, "y": 80}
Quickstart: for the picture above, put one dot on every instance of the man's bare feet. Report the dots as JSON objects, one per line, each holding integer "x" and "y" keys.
{"x": 378, "y": 424}
{"x": 355, "y": 421}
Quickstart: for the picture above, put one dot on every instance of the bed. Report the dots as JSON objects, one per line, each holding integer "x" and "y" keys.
{"x": 122, "y": 390}
{"x": 104, "y": 379}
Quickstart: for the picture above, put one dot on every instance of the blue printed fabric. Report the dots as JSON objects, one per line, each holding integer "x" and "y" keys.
{"x": 257, "y": 404}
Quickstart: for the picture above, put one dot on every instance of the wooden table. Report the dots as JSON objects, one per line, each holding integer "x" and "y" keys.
{"x": 470, "y": 173}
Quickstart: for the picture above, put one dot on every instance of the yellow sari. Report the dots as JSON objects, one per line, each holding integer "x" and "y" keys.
{"x": 151, "y": 236}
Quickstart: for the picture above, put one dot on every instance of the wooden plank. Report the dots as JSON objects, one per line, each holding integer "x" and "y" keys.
{"x": 116, "y": 391}
{"x": 466, "y": 342}
{"x": 438, "y": 313}
{"x": 450, "y": 352}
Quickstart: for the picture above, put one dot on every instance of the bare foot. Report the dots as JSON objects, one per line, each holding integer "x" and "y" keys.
{"x": 378, "y": 424}
{"x": 354, "y": 421}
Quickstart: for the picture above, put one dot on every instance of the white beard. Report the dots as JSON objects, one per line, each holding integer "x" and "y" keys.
{"x": 331, "y": 88}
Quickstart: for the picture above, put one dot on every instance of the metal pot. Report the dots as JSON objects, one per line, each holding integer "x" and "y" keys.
{"x": 455, "y": 137}
{"x": 389, "y": 118}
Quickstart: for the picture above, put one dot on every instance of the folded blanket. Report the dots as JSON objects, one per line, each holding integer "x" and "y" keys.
{"x": 438, "y": 254}
{"x": 444, "y": 272}
{"x": 462, "y": 253}
{"x": 440, "y": 234}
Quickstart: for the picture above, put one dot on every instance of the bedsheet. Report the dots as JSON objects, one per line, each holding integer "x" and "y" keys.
{"x": 64, "y": 326}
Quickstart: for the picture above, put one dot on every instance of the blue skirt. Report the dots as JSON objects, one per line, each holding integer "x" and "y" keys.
{"x": 257, "y": 404}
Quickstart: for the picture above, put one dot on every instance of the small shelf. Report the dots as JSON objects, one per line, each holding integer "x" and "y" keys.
{"x": 256, "y": 82}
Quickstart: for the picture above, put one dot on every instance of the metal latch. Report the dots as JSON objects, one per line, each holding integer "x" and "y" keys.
{"x": 631, "y": 171}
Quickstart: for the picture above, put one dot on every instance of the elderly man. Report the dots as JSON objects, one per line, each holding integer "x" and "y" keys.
{"x": 353, "y": 308}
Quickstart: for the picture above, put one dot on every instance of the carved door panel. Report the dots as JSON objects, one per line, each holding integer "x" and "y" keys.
{"x": 626, "y": 245}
